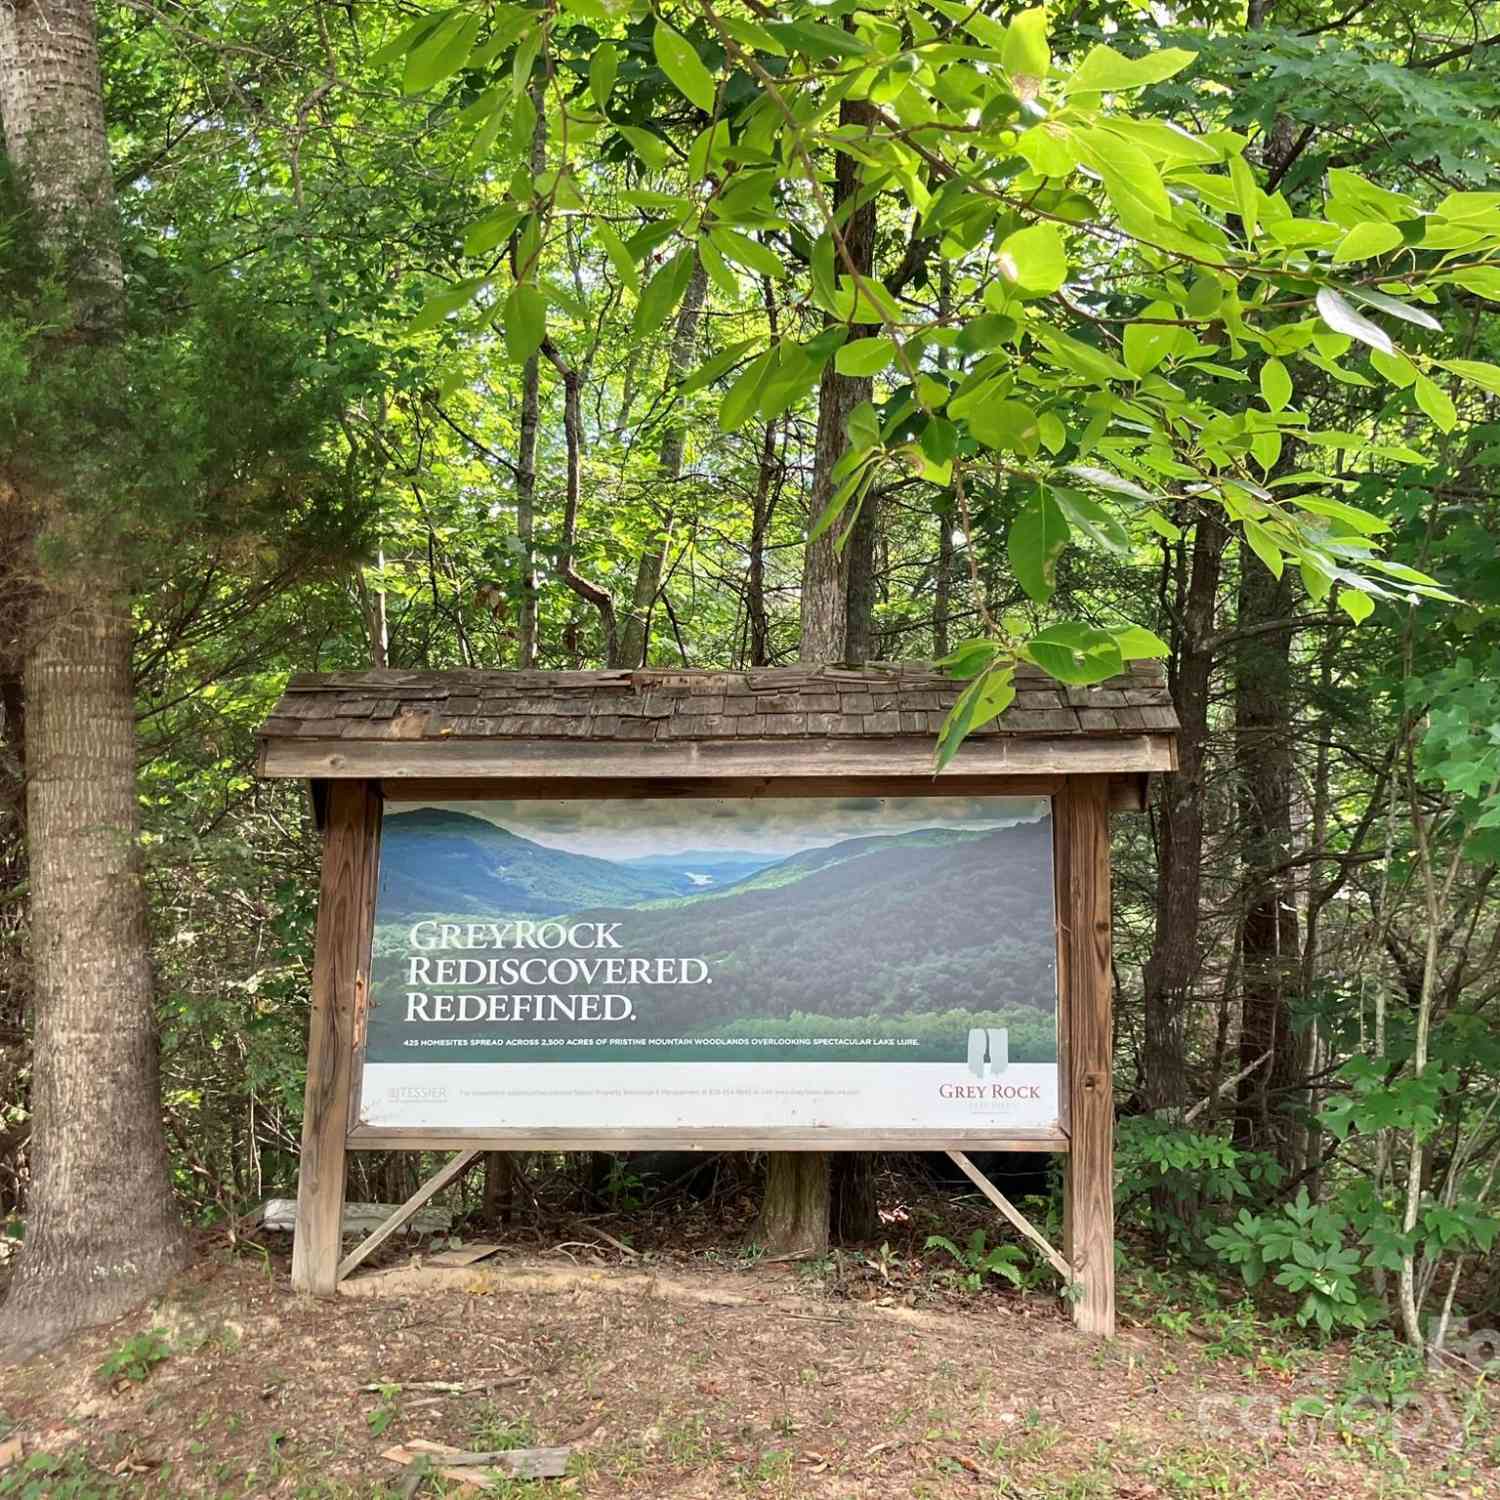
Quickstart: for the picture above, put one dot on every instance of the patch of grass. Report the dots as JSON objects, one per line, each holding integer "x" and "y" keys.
{"x": 689, "y": 1443}
{"x": 495, "y": 1432}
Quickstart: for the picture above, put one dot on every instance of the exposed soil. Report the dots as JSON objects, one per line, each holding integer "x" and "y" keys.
{"x": 695, "y": 1381}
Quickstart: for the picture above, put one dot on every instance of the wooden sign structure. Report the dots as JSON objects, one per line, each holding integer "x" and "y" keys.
{"x": 365, "y": 739}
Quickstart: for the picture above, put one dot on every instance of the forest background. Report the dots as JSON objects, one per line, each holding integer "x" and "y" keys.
{"x": 592, "y": 333}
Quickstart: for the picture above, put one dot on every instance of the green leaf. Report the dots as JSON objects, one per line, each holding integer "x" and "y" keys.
{"x": 1106, "y": 71}
{"x": 662, "y": 293}
{"x": 680, "y": 62}
{"x": 1136, "y": 643}
{"x": 865, "y": 356}
{"x": 604, "y": 65}
{"x": 1435, "y": 401}
{"x": 711, "y": 369}
{"x": 442, "y": 53}
{"x": 985, "y": 699}
{"x": 404, "y": 41}
{"x": 1342, "y": 318}
{"x": 1483, "y": 280}
{"x": 1356, "y": 605}
{"x": 1365, "y": 241}
{"x": 648, "y": 147}
{"x": 440, "y": 304}
{"x": 1024, "y": 52}
{"x": 1094, "y": 521}
{"x": 1105, "y": 480}
{"x": 1406, "y": 311}
{"x": 1246, "y": 193}
{"x": 1263, "y": 544}
{"x": 525, "y": 321}
{"x": 491, "y": 230}
{"x": 748, "y": 252}
{"x": 1034, "y": 260}
{"x": 1275, "y": 384}
{"x": 1038, "y": 536}
{"x": 619, "y": 257}
{"x": 1006, "y": 426}
{"x": 741, "y": 398}
{"x": 1076, "y": 653}
{"x": 1485, "y": 376}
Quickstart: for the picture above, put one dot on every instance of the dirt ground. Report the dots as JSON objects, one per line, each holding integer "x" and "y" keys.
{"x": 696, "y": 1381}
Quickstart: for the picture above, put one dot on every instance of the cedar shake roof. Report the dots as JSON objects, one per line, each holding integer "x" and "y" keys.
{"x": 767, "y": 721}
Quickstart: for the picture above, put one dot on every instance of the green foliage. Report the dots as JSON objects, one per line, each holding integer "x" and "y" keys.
{"x": 980, "y": 1260}
{"x": 1303, "y": 1243}
{"x": 136, "y": 1357}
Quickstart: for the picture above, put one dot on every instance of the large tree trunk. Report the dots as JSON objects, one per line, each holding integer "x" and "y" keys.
{"x": 100, "y": 1231}
{"x": 799, "y": 1198}
{"x": 1269, "y": 940}
{"x": 1171, "y": 970}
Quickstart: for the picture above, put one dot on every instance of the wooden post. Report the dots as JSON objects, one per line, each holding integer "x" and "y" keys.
{"x": 345, "y": 906}
{"x": 1084, "y": 914}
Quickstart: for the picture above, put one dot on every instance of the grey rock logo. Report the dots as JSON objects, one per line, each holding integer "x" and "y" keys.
{"x": 989, "y": 1051}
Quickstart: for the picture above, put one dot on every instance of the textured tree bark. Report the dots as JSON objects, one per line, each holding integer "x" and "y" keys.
{"x": 100, "y": 1227}
{"x": 794, "y": 1211}
{"x": 1172, "y": 967}
{"x": 825, "y": 570}
{"x": 531, "y": 416}
{"x": 760, "y": 525}
{"x": 100, "y": 1231}
{"x": 1270, "y": 959}
{"x": 799, "y": 1201}
{"x": 635, "y": 634}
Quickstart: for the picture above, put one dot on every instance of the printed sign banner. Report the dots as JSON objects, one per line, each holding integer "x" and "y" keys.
{"x": 855, "y": 963}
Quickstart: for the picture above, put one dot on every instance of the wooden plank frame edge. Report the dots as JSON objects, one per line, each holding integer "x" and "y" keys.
{"x": 346, "y": 904}
{"x": 1088, "y": 1200}
{"x": 714, "y": 1138}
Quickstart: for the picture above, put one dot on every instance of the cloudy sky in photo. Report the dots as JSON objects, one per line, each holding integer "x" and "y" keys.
{"x": 628, "y": 829}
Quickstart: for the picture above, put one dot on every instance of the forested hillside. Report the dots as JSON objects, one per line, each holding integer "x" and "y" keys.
{"x": 585, "y": 333}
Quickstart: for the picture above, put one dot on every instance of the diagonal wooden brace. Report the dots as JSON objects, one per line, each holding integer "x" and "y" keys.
{"x": 1014, "y": 1214}
{"x": 377, "y": 1237}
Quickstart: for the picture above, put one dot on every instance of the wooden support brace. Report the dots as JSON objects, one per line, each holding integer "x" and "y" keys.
{"x": 434, "y": 1184}
{"x": 1014, "y": 1214}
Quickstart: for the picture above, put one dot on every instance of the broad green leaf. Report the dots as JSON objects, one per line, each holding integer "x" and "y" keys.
{"x": 1093, "y": 520}
{"x": 662, "y": 293}
{"x": 603, "y": 68}
{"x": 680, "y": 62}
{"x": 1435, "y": 401}
{"x": 440, "y": 304}
{"x": 969, "y": 658}
{"x": 492, "y": 230}
{"x": 985, "y": 699}
{"x": 1104, "y": 70}
{"x": 1358, "y": 606}
{"x": 1147, "y": 344}
{"x": 1365, "y": 241}
{"x": 1076, "y": 653}
{"x": 711, "y": 369}
{"x": 441, "y": 53}
{"x": 1007, "y": 426}
{"x": 1024, "y": 51}
{"x": 1038, "y": 536}
{"x": 1034, "y": 259}
{"x": 864, "y": 356}
{"x": 1264, "y": 545}
{"x": 1486, "y": 376}
{"x": 1246, "y": 194}
{"x": 1406, "y": 311}
{"x": 1342, "y": 318}
{"x": 648, "y": 147}
{"x": 525, "y": 321}
{"x": 1136, "y": 643}
{"x": 1275, "y": 384}
{"x": 1105, "y": 480}
{"x": 619, "y": 257}
{"x": 1484, "y": 280}
{"x": 404, "y": 41}
{"x": 741, "y": 398}
{"x": 748, "y": 252}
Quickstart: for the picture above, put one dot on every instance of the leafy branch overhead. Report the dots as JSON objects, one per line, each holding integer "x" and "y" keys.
{"x": 1132, "y": 307}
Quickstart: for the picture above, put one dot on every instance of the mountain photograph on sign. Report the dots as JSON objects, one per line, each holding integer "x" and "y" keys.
{"x": 736, "y": 925}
